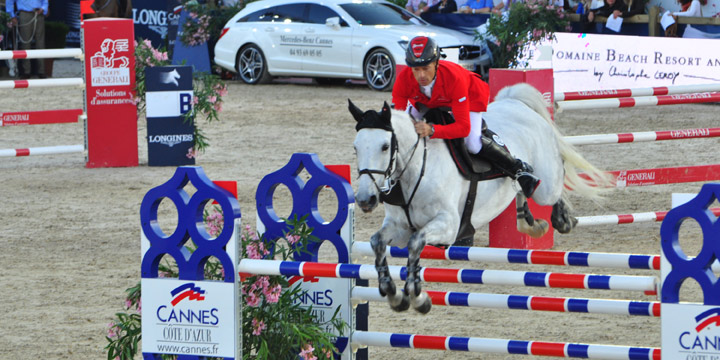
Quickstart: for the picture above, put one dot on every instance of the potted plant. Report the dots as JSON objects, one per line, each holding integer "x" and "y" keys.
{"x": 55, "y": 33}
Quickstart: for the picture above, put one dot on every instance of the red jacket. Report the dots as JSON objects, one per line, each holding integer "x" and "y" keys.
{"x": 455, "y": 87}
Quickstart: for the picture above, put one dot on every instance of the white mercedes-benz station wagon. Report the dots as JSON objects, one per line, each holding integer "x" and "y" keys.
{"x": 331, "y": 41}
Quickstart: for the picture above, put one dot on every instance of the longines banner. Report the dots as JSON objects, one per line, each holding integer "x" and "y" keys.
{"x": 599, "y": 62}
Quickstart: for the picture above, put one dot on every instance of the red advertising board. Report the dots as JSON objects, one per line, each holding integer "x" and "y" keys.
{"x": 503, "y": 229}
{"x": 109, "y": 95}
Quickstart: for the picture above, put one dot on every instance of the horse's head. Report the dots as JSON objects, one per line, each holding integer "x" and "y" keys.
{"x": 375, "y": 147}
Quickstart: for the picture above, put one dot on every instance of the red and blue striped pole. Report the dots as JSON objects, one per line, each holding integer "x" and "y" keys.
{"x": 503, "y": 346}
{"x": 525, "y": 302}
{"x": 444, "y": 275}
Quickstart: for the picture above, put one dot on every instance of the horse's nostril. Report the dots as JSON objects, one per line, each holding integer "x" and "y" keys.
{"x": 373, "y": 200}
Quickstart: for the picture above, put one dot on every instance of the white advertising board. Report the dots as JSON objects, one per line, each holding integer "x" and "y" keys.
{"x": 189, "y": 317}
{"x": 690, "y": 331}
{"x": 601, "y": 62}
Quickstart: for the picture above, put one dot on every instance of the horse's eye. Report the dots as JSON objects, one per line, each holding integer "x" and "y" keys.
{"x": 385, "y": 147}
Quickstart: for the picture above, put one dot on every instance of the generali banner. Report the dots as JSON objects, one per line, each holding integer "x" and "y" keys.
{"x": 599, "y": 62}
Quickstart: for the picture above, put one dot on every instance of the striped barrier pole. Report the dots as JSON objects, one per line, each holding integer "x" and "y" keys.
{"x": 651, "y": 91}
{"x": 41, "y": 54}
{"x": 647, "y": 284}
{"x": 47, "y": 150}
{"x": 525, "y": 302}
{"x": 694, "y": 98}
{"x": 41, "y": 117}
{"x": 502, "y": 346}
{"x": 627, "y": 218}
{"x": 39, "y": 83}
{"x": 643, "y": 136}
{"x": 519, "y": 256}
{"x": 529, "y": 257}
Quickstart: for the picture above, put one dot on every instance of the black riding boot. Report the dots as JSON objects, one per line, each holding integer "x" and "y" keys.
{"x": 515, "y": 168}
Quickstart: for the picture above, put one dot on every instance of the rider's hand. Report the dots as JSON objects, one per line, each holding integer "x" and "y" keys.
{"x": 423, "y": 129}
{"x": 13, "y": 21}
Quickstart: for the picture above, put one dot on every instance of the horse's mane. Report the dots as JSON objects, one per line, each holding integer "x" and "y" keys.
{"x": 594, "y": 181}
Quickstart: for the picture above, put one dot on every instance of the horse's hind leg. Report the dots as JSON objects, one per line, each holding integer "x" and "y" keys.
{"x": 398, "y": 302}
{"x": 526, "y": 223}
{"x": 419, "y": 299}
{"x": 561, "y": 218}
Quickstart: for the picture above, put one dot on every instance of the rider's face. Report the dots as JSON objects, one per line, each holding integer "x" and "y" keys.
{"x": 425, "y": 74}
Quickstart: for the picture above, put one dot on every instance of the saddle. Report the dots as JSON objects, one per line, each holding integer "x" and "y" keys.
{"x": 471, "y": 166}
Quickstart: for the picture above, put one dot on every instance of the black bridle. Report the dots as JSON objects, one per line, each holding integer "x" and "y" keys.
{"x": 389, "y": 193}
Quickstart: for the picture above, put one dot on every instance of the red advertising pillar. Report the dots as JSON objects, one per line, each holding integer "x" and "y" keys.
{"x": 111, "y": 131}
{"x": 503, "y": 229}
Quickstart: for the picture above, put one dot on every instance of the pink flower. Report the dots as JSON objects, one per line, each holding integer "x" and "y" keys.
{"x": 307, "y": 353}
{"x": 252, "y": 300}
{"x": 218, "y": 106}
{"x": 113, "y": 330}
{"x": 163, "y": 274}
{"x": 328, "y": 353}
{"x": 258, "y": 326}
{"x": 139, "y": 306}
{"x": 195, "y": 100}
{"x": 272, "y": 295}
{"x": 193, "y": 15}
{"x": 128, "y": 303}
{"x": 212, "y": 98}
{"x": 148, "y": 43}
{"x": 292, "y": 239}
{"x": 252, "y": 252}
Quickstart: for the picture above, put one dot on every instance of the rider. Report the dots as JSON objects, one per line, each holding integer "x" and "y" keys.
{"x": 433, "y": 83}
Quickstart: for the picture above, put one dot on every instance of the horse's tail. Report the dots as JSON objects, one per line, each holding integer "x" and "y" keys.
{"x": 595, "y": 181}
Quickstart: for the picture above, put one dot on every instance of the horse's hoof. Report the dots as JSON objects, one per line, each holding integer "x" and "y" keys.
{"x": 468, "y": 241}
{"x": 422, "y": 303}
{"x": 402, "y": 305}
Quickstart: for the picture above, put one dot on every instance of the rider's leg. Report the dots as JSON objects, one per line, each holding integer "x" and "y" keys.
{"x": 515, "y": 168}
{"x": 472, "y": 141}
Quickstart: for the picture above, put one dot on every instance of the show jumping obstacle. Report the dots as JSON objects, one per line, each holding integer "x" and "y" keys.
{"x": 651, "y": 91}
{"x": 317, "y": 277}
{"x": 109, "y": 114}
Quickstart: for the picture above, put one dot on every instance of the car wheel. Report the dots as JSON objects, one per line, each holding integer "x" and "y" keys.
{"x": 252, "y": 66}
{"x": 329, "y": 81}
{"x": 379, "y": 70}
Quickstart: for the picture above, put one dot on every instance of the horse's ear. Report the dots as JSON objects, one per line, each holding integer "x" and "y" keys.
{"x": 355, "y": 111}
{"x": 385, "y": 114}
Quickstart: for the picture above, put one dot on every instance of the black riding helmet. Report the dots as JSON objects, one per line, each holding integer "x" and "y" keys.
{"x": 421, "y": 51}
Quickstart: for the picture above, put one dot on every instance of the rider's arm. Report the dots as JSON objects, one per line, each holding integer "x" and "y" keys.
{"x": 457, "y": 88}
{"x": 401, "y": 90}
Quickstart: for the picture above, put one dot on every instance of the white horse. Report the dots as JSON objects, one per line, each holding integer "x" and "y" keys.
{"x": 389, "y": 154}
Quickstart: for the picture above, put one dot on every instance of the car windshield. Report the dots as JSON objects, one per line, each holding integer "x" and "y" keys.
{"x": 371, "y": 13}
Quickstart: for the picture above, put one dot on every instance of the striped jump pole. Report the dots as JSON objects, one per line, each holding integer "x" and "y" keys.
{"x": 650, "y": 91}
{"x": 643, "y": 136}
{"x": 528, "y": 257}
{"x": 41, "y": 54}
{"x": 520, "y": 256}
{"x": 694, "y": 98}
{"x": 502, "y": 346}
{"x": 42, "y": 83}
{"x": 47, "y": 150}
{"x": 444, "y": 275}
{"x": 627, "y": 218}
{"x": 525, "y": 302}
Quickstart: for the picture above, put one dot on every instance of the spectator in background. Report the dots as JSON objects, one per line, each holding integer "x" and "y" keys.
{"x": 418, "y": 7}
{"x": 443, "y": 7}
{"x": 29, "y": 17}
{"x": 477, "y": 7}
{"x": 612, "y": 8}
{"x": 690, "y": 8}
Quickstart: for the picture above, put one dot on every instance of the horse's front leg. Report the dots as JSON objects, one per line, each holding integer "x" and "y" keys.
{"x": 413, "y": 288}
{"x": 398, "y": 301}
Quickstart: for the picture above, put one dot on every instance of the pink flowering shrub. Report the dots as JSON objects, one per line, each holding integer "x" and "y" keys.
{"x": 208, "y": 90}
{"x": 526, "y": 23}
{"x": 274, "y": 325}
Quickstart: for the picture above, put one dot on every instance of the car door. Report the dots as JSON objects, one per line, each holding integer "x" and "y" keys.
{"x": 329, "y": 47}
{"x": 284, "y": 32}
